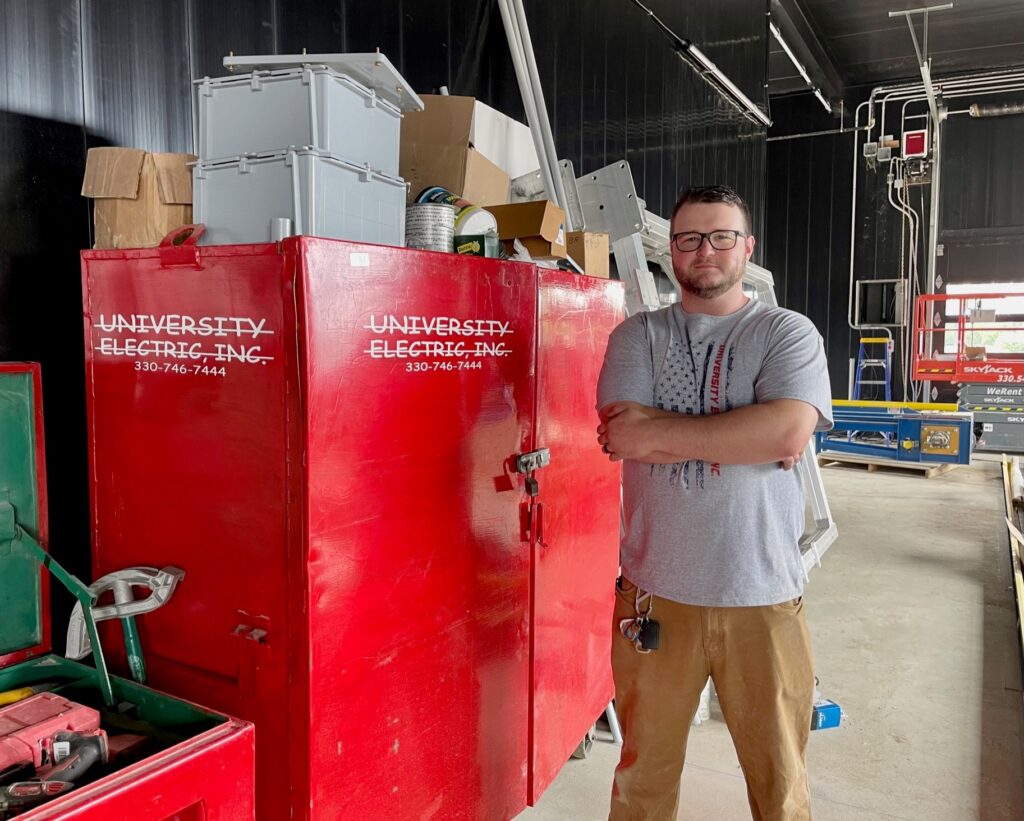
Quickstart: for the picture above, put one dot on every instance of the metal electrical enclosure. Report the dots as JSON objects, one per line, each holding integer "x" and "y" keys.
{"x": 915, "y": 144}
{"x": 324, "y": 435}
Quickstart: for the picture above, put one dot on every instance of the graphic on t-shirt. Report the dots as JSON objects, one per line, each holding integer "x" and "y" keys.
{"x": 694, "y": 381}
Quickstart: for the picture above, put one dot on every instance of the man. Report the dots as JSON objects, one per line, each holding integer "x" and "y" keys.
{"x": 703, "y": 402}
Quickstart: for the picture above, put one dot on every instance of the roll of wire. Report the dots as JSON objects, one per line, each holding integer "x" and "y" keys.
{"x": 995, "y": 109}
{"x": 469, "y": 218}
{"x": 430, "y": 226}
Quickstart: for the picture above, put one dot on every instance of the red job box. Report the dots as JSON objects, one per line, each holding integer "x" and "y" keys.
{"x": 378, "y": 469}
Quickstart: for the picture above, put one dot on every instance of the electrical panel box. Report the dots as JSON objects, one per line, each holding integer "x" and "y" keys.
{"x": 915, "y": 144}
{"x": 879, "y": 302}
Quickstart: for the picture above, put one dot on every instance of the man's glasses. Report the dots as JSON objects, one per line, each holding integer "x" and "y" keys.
{"x": 723, "y": 240}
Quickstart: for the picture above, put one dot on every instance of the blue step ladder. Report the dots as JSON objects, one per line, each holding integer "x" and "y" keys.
{"x": 871, "y": 366}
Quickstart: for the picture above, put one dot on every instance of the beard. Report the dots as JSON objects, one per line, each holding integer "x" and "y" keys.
{"x": 709, "y": 283}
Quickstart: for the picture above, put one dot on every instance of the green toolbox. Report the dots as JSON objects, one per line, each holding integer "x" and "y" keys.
{"x": 76, "y": 742}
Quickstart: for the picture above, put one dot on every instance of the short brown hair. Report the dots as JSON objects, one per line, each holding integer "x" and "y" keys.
{"x": 714, "y": 193}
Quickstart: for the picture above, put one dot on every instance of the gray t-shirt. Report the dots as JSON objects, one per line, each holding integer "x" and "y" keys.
{"x": 700, "y": 532}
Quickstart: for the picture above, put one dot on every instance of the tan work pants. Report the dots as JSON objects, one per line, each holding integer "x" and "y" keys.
{"x": 760, "y": 661}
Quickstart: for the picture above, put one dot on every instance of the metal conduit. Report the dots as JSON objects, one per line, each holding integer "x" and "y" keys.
{"x": 903, "y": 206}
{"x": 958, "y": 95}
{"x": 952, "y": 87}
{"x": 983, "y": 85}
{"x": 951, "y": 84}
{"x": 853, "y": 233}
{"x": 933, "y": 211}
{"x": 915, "y": 284}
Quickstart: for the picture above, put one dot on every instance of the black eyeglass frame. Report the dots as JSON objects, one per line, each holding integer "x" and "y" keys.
{"x": 707, "y": 236}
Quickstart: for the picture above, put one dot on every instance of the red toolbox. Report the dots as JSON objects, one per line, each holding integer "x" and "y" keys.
{"x": 195, "y": 765}
{"x": 343, "y": 445}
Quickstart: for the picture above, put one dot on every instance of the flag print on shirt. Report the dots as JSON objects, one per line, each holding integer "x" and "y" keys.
{"x": 694, "y": 381}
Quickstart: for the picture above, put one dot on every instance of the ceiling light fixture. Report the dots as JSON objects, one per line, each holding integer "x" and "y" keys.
{"x": 688, "y": 52}
{"x": 799, "y": 66}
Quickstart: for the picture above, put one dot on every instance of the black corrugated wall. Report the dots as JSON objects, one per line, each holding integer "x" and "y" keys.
{"x": 807, "y": 229}
{"x": 78, "y": 73}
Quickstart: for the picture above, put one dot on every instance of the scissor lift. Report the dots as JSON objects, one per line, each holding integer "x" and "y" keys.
{"x": 971, "y": 317}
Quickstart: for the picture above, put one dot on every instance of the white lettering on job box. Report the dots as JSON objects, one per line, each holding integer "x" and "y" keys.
{"x": 199, "y": 345}
{"x": 468, "y": 340}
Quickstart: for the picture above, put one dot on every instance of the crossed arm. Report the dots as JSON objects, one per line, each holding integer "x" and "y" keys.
{"x": 773, "y": 431}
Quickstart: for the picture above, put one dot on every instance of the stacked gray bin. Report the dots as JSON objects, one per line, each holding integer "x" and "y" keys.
{"x": 301, "y": 144}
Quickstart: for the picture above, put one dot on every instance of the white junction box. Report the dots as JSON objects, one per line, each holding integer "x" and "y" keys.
{"x": 306, "y": 106}
{"x": 242, "y": 199}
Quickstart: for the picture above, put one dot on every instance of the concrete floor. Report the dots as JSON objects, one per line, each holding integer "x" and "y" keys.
{"x": 914, "y": 628}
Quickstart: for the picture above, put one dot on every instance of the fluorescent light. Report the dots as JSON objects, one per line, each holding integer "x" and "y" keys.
{"x": 712, "y": 73}
{"x": 799, "y": 66}
{"x": 789, "y": 53}
{"x": 709, "y": 71}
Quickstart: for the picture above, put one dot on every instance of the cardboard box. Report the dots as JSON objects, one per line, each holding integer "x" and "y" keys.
{"x": 438, "y": 149}
{"x": 975, "y": 353}
{"x": 139, "y": 196}
{"x": 590, "y": 251}
{"x": 539, "y": 225}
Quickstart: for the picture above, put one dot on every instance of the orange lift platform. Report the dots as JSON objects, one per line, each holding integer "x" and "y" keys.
{"x": 951, "y": 332}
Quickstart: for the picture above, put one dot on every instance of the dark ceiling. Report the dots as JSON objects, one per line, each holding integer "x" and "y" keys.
{"x": 867, "y": 47}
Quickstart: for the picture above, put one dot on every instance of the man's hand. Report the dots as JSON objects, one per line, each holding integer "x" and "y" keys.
{"x": 625, "y": 431}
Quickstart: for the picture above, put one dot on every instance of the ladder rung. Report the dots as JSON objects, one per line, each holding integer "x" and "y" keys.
{"x": 873, "y": 339}
{"x": 872, "y": 382}
{"x": 865, "y": 362}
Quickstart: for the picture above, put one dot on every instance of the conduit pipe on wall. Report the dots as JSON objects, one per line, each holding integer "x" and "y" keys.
{"x": 951, "y": 88}
{"x": 853, "y": 233}
{"x": 933, "y": 211}
{"x": 914, "y": 279}
{"x": 958, "y": 95}
{"x": 954, "y": 83}
{"x": 898, "y": 199}
{"x": 986, "y": 83}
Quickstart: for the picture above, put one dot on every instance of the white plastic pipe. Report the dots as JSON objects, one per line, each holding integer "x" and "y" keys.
{"x": 515, "y": 47}
{"x": 533, "y": 75}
